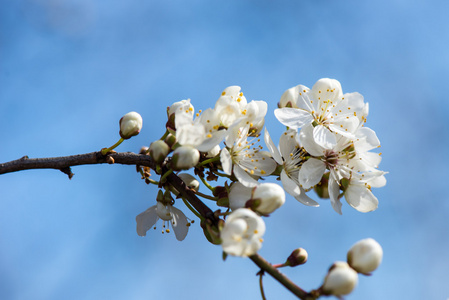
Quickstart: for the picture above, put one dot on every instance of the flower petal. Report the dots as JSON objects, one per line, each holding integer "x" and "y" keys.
{"x": 272, "y": 148}
{"x": 324, "y": 137}
{"x": 289, "y": 185}
{"x": 244, "y": 177}
{"x": 293, "y": 117}
{"x": 311, "y": 172}
{"x": 361, "y": 198}
{"x": 179, "y": 223}
{"x": 334, "y": 192}
{"x": 308, "y": 142}
{"x": 288, "y": 143}
{"x": 212, "y": 141}
{"x": 146, "y": 220}
{"x": 226, "y": 161}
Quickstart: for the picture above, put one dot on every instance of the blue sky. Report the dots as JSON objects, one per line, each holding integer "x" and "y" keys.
{"x": 70, "y": 69}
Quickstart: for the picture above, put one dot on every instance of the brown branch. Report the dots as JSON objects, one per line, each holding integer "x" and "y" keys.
{"x": 281, "y": 278}
{"x": 65, "y": 163}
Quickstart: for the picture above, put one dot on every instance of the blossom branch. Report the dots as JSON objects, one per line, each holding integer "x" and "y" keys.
{"x": 65, "y": 163}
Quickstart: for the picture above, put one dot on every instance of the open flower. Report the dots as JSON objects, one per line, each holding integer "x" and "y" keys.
{"x": 245, "y": 160}
{"x": 168, "y": 214}
{"x": 242, "y": 233}
{"x": 325, "y": 107}
{"x": 344, "y": 160}
{"x": 290, "y": 155}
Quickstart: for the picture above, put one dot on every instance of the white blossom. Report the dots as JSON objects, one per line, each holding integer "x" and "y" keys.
{"x": 182, "y": 112}
{"x": 365, "y": 256}
{"x": 230, "y": 106}
{"x": 290, "y": 155}
{"x": 344, "y": 160}
{"x": 168, "y": 214}
{"x": 242, "y": 233}
{"x": 326, "y": 108}
{"x": 244, "y": 159}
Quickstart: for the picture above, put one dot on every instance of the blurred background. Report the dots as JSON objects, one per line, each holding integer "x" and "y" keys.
{"x": 70, "y": 69}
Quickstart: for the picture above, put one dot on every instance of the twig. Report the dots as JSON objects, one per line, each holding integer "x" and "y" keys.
{"x": 65, "y": 163}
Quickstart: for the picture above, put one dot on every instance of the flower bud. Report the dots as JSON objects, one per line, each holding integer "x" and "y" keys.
{"x": 263, "y": 198}
{"x": 159, "y": 151}
{"x": 170, "y": 140}
{"x": 289, "y": 98}
{"x": 184, "y": 158}
{"x": 130, "y": 125}
{"x": 365, "y": 256}
{"x": 298, "y": 257}
{"x": 190, "y": 181}
{"x": 322, "y": 188}
{"x": 214, "y": 151}
{"x": 340, "y": 280}
{"x": 271, "y": 196}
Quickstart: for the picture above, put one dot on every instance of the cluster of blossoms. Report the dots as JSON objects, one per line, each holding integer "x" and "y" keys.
{"x": 332, "y": 145}
{"x": 325, "y": 148}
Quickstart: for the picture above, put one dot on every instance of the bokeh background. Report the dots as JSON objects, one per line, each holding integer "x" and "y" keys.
{"x": 70, "y": 69}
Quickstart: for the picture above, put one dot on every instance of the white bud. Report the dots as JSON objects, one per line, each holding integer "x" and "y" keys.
{"x": 365, "y": 256}
{"x": 340, "y": 280}
{"x": 214, "y": 151}
{"x": 184, "y": 158}
{"x": 263, "y": 198}
{"x": 190, "y": 181}
{"x": 130, "y": 125}
{"x": 271, "y": 196}
{"x": 159, "y": 151}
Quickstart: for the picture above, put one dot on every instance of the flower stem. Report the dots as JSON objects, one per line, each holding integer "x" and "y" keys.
{"x": 280, "y": 265}
{"x": 221, "y": 174}
{"x": 104, "y": 151}
{"x": 165, "y": 135}
{"x": 164, "y": 177}
{"x": 261, "y": 273}
{"x": 210, "y": 160}
{"x": 192, "y": 209}
{"x": 207, "y": 184}
{"x": 206, "y": 196}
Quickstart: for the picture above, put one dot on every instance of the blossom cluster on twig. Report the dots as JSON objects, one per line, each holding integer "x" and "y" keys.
{"x": 325, "y": 148}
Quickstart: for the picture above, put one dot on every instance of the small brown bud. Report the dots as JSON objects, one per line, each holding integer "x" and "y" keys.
{"x": 110, "y": 159}
{"x": 298, "y": 257}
